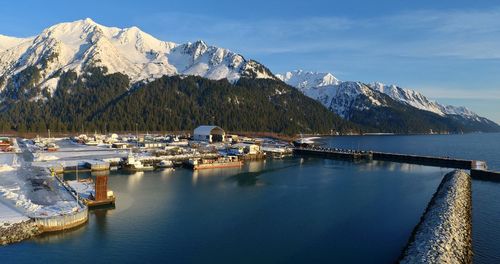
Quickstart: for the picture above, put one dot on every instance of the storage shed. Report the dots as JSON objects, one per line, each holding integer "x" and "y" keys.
{"x": 209, "y": 134}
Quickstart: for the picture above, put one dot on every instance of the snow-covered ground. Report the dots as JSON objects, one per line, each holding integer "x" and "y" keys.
{"x": 73, "y": 151}
{"x": 10, "y": 215}
{"x": 32, "y": 191}
{"x": 83, "y": 188}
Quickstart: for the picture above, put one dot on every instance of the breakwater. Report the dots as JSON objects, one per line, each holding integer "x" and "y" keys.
{"x": 444, "y": 233}
{"x": 478, "y": 168}
{"x": 18, "y": 232}
{"x": 424, "y": 160}
{"x": 333, "y": 153}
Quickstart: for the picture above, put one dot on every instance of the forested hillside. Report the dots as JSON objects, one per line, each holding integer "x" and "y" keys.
{"x": 97, "y": 101}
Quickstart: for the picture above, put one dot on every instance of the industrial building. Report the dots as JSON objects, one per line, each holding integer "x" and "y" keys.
{"x": 209, "y": 134}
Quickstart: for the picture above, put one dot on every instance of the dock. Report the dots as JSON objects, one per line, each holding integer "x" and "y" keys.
{"x": 333, "y": 153}
{"x": 478, "y": 169}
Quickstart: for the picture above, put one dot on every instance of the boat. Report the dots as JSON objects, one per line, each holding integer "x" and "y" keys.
{"x": 303, "y": 142}
{"x": 51, "y": 147}
{"x": 92, "y": 143}
{"x": 5, "y": 167}
{"x": 165, "y": 164}
{"x": 219, "y": 163}
{"x": 131, "y": 164}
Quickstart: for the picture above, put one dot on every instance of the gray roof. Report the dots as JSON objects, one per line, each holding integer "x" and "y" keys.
{"x": 205, "y": 130}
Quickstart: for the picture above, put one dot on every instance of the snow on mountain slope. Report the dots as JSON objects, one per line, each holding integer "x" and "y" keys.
{"x": 409, "y": 97}
{"x": 307, "y": 80}
{"x": 84, "y": 43}
{"x": 419, "y": 101}
{"x": 7, "y": 42}
{"x": 340, "y": 96}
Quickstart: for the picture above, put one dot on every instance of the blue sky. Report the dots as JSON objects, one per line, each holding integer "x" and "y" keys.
{"x": 449, "y": 50}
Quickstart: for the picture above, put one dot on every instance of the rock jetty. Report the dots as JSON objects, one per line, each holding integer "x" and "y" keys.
{"x": 444, "y": 234}
{"x": 12, "y": 233}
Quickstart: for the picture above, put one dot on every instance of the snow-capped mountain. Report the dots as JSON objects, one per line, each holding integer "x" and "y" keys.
{"x": 307, "y": 80}
{"x": 84, "y": 43}
{"x": 340, "y": 96}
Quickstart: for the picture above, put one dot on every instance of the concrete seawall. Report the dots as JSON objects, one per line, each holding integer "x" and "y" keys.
{"x": 444, "y": 233}
{"x": 424, "y": 160}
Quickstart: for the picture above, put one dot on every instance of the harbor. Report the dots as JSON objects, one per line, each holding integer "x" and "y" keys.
{"x": 43, "y": 163}
{"x": 83, "y": 171}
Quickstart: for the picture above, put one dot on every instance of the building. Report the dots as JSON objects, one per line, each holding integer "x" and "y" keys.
{"x": 209, "y": 134}
{"x": 151, "y": 144}
{"x": 245, "y": 148}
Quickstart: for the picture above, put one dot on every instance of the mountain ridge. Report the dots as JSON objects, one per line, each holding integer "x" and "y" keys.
{"x": 84, "y": 43}
{"x": 64, "y": 57}
{"x": 302, "y": 80}
{"x": 357, "y": 101}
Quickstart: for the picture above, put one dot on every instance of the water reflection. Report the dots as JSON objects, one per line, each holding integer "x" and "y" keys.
{"x": 255, "y": 166}
{"x": 134, "y": 179}
{"x": 165, "y": 173}
{"x": 252, "y": 176}
{"x": 58, "y": 237}
{"x": 100, "y": 218}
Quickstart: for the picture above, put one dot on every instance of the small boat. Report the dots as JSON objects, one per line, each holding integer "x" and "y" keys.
{"x": 92, "y": 143}
{"x": 5, "y": 167}
{"x": 219, "y": 163}
{"x": 303, "y": 142}
{"x": 131, "y": 164}
{"x": 165, "y": 164}
{"x": 52, "y": 147}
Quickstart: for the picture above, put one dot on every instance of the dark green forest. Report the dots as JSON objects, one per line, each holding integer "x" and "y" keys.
{"x": 96, "y": 101}
{"x": 400, "y": 118}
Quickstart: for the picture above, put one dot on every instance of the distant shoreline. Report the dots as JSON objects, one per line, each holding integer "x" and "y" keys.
{"x": 278, "y": 136}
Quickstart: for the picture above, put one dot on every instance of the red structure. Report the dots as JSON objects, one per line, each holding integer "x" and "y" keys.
{"x": 4, "y": 144}
{"x": 101, "y": 188}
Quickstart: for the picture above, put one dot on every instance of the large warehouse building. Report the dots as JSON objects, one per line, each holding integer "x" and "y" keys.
{"x": 209, "y": 134}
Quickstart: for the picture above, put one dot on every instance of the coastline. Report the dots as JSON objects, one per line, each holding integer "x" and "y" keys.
{"x": 18, "y": 232}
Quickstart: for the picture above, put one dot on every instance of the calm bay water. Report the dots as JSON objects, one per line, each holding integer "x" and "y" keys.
{"x": 278, "y": 211}
{"x": 478, "y": 146}
{"x": 485, "y": 195}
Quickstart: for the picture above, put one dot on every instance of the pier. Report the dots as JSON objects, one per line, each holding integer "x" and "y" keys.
{"x": 477, "y": 168}
{"x": 333, "y": 153}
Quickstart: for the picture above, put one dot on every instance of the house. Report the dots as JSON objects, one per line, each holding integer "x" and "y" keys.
{"x": 209, "y": 134}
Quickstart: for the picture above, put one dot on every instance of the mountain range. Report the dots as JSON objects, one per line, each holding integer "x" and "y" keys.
{"x": 353, "y": 100}
{"x": 82, "y": 59}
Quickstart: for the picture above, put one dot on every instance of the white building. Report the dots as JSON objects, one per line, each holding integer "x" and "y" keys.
{"x": 246, "y": 148}
{"x": 209, "y": 134}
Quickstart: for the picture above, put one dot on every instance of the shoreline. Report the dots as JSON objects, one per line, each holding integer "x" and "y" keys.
{"x": 17, "y": 232}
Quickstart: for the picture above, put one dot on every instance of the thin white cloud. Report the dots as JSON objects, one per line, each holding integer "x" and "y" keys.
{"x": 471, "y": 34}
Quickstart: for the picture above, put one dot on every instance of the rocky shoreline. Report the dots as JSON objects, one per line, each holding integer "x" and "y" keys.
{"x": 444, "y": 233}
{"x": 17, "y": 232}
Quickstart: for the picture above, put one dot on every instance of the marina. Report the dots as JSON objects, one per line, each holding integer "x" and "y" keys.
{"x": 92, "y": 167}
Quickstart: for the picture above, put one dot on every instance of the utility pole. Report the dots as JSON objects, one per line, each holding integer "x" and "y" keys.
{"x": 136, "y": 135}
